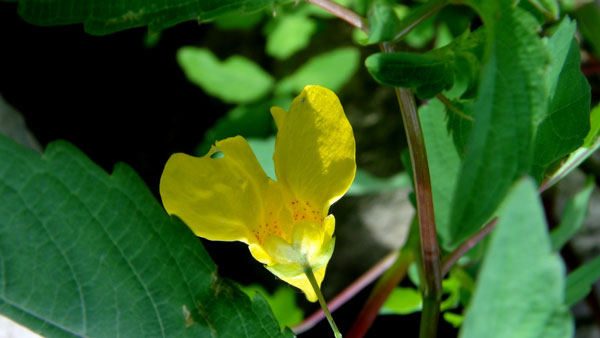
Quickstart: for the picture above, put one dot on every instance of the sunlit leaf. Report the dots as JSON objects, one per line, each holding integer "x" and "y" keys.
{"x": 235, "y": 80}
{"x": 331, "y": 70}
{"x": 573, "y": 216}
{"x": 520, "y": 287}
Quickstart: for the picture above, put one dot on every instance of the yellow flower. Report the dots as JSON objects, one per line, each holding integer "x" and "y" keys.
{"x": 285, "y": 222}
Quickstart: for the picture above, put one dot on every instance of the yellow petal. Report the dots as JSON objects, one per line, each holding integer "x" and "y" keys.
{"x": 302, "y": 283}
{"x": 218, "y": 197}
{"x": 314, "y": 151}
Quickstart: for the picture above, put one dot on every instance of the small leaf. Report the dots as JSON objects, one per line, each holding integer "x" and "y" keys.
{"x": 573, "y": 216}
{"x": 567, "y": 122}
{"x": 520, "y": 287}
{"x": 580, "y": 281}
{"x": 402, "y": 301}
{"x": 331, "y": 70}
{"x": 290, "y": 34}
{"x": 102, "y": 17}
{"x": 87, "y": 254}
{"x": 383, "y": 22}
{"x": 428, "y": 74}
{"x": 235, "y": 80}
{"x": 237, "y": 21}
{"x": 592, "y": 135}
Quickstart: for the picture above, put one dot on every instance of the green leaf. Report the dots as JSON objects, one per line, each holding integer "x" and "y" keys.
{"x": 282, "y": 302}
{"x": 250, "y": 121}
{"x": 573, "y": 216}
{"x": 592, "y": 135}
{"x": 427, "y": 74}
{"x": 331, "y": 70}
{"x": 520, "y": 287}
{"x": 568, "y": 120}
{"x": 444, "y": 164}
{"x": 290, "y": 34}
{"x": 108, "y": 16}
{"x": 236, "y": 21}
{"x": 430, "y": 73}
{"x": 580, "y": 281}
{"x": 402, "y": 301}
{"x": 235, "y": 80}
{"x": 87, "y": 254}
{"x": 383, "y": 22}
{"x": 460, "y": 126}
{"x": 511, "y": 99}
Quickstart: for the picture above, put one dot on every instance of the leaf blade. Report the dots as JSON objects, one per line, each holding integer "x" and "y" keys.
{"x": 94, "y": 254}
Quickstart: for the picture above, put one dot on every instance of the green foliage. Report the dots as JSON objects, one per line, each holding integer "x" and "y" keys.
{"x": 580, "y": 281}
{"x": 108, "y": 16}
{"x": 568, "y": 121}
{"x": 90, "y": 254}
{"x": 520, "y": 287}
{"x": 331, "y": 70}
{"x": 428, "y": 74}
{"x": 512, "y": 96}
{"x": 444, "y": 164}
{"x": 289, "y": 34}
{"x": 235, "y": 80}
{"x": 402, "y": 301}
{"x": 282, "y": 303}
{"x": 454, "y": 67}
{"x": 383, "y": 22}
{"x": 573, "y": 216}
{"x": 592, "y": 135}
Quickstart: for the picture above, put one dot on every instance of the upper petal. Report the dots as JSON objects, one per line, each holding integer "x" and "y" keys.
{"x": 315, "y": 150}
{"x": 218, "y": 197}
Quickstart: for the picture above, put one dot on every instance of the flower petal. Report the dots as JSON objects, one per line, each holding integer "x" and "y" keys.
{"x": 315, "y": 150}
{"x": 220, "y": 195}
{"x": 302, "y": 283}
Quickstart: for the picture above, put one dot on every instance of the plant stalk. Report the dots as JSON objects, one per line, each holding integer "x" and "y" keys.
{"x": 313, "y": 282}
{"x": 343, "y": 13}
{"x": 349, "y": 292}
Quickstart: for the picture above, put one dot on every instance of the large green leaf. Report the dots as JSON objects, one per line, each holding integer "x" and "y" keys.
{"x": 573, "y": 216}
{"x": 511, "y": 99}
{"x": 520, "y": 288}
{"x": 580, "y": 281}
{"x": 568, "y": 120}
{"x": 108, "y": 16}
{"x": 87, "y": 254}
{"x": 331, "y": 70}
{"x": 444, "y": 164}
{"x": 235, "y": 80}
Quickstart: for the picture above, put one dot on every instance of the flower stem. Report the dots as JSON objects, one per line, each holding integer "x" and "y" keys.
{"x": 313, "y": 282}
{"x": 358, "y": 285}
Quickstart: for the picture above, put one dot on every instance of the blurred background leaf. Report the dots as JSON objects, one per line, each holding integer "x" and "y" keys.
{"x": 235, "y": 80}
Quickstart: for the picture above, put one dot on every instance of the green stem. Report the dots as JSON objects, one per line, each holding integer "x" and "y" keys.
{"x": 313, "y": 282}
{"x": 417, "y": 16}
